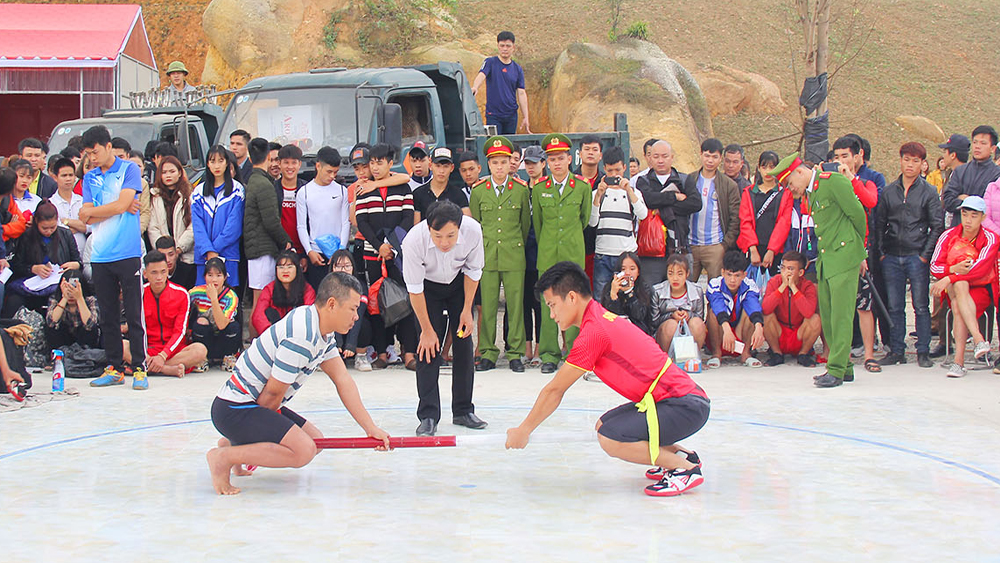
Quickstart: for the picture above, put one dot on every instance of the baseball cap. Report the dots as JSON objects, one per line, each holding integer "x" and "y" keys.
{"x": 974, "y": 203}
{"x": 956, "y": 142}
{"x": 534, "y": 153}
{"x": 441, "y": 155}
{"x": 418, "y": 150}
{"x": 359, "y": 156}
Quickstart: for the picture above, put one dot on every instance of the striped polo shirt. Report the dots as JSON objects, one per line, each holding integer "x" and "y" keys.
{"x": 290, "y": 350}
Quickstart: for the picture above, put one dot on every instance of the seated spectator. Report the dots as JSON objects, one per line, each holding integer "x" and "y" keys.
{"x": 213, "y": 315}
{"x": 43, "y": 248}
{"x": 735, "y": 321}
{"x": 765, "y": 217}
{"x": 965, "y": 264}
{"x": 72, "y": 315}
{"x": 170, "y": 215}
{"x": 791, "y": 318}
{"x": 180, "y": 273}
{"x": 355, "y": 343}
{"x": 11, "y": 218}
{"x": 288, "y": 291}
{"x": 166, "y": 308}
{"x": 25, "y": 200}
{"x": 67, "y": 203}
{"x": 628, "y": 294}
{"x": 677, "y": 300}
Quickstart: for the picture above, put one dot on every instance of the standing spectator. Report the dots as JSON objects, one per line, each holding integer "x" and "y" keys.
{"x": 591, "y": 152}
{"x": 616, "y": 209}
{"x": 937, "y": 177}
{"x": 177, "y": 89}
{"x": 384, "y": 216}
{"x": 713, "y": 229}
{"x": 908, "y": 222}
{"x": 288, "y": 291}
{"x": 732, "y": 165}
{"x": 274, "y": 163}
{"x": 646, "y": 154}
{"x": 33, "y": 151}
{"x": 504, "y": 88}
{"x": 973, "y": 177}
{"x": 111, "y": 206}
{"x": 502, "y": 202}
{"x": 239, "y": 142}
{"x": 360, "y": 160}
{"x": 322, "y": 208}
{"x": 73, "y": 315}
{"x": 515, "y": 158}
{"x": 469, "y": 168}
{"x": 734, "y": 313}
{"x": 867, "y": 173}
{"x": 22, "y": 196}
{"x": 217, "y": 217}
{"x": 166, "y": 307}
{"x": 765, "y": 217}
{"x": 438, "y": 188}
{"x": 443, "y": 261}
{"x": 170, "y": 216}
{"x": 121, "y": 147}
{"x": 67, "y": 203}
{"x": 44, "y": 248}
{"x": 263, "y": 236}
{"x": 667, "y": 192}
{"x": 955, "y": 152}
{"x": 791, "y": 323}
{"x": 561, "y": 209}
{"x": 633, "y": 167}
{"x": 213, "y": 316}
{"x": 420, "y": 163}
{"x": 534, "y": 165}
{"x": 287, "y": 187}
{"x": 965, "y": 265}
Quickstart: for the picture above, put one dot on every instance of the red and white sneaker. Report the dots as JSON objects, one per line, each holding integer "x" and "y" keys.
{"x": 675, "y": 483}
{"x": 657, "y": 473}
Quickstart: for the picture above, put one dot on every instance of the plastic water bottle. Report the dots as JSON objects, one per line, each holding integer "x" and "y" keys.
{"x": 58, "y": 372}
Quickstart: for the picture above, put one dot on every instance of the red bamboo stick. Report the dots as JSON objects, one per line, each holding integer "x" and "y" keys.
{"x": 401, "y": 442}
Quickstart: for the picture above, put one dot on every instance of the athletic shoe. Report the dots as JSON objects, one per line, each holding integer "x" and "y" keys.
{"x": 362, "y": 363}
{"x": 657, "y": 473}
{"x": 139, "y": 380}
{"x": 110, "y": 377}
{"x": 200, "y": 368}
{"x": 806, "y": 360}
{"x": 957, "y": 371}
{"x": 775, "y": 359}
{"x": 229, "y": 362}
{"x": 676, "y": 482}
{"x": 981, "y": 350}
{"x": 392, "y": 356}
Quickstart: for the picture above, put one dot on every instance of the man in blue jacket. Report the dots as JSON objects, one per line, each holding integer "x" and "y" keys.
{"x": 735, "y": 320}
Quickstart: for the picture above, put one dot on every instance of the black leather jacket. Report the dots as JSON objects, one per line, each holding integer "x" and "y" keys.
{"x": 910, "y": 224}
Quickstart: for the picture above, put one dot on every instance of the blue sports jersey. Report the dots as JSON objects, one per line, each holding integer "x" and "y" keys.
{"x": 118, "y": 237}
{"x": 502, "y": 83}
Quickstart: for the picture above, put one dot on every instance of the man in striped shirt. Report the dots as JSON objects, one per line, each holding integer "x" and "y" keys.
{"x": 616, "y": 210}
{"x": 249, "y": 410}
{"x": 713, "y": 229}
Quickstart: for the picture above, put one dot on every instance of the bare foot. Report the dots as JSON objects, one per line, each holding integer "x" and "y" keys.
{"x": 178, "y": 370}
{"x": 220, "y": 473}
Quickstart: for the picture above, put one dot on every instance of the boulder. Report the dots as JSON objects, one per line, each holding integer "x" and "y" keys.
{"x": 590, "y": 83}
{"x": 921, "y": 127}
{"x": 730, "y": 91}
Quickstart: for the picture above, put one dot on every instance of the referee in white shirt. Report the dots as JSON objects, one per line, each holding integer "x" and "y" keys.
{"x": 442, "y": 263}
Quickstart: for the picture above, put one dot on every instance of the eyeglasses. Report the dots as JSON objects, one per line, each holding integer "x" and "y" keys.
{"x": 340, "y": 268}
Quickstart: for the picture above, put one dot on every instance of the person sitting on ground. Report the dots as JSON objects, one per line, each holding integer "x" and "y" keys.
{"x": 72, "y": 315}
{"x": 43, "y": 248}
{"x": 213, "y": 315}
{"x": 965, "y": 265}
{"x": 677, "y": 300}
{"x": 628, "y": 294}
{"x": 735, "y": 321}
{"x": 791, "y": 320}
{"x": 166, "y": 307}
{"x": 288, "y": 291}
{"x": 249, "y": 410}
{"x": 662, "y": 409}
{"x": 354, "y": 344}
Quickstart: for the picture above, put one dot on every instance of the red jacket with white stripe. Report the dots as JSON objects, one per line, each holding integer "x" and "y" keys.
{"x": 166, "y": 319}
{"x": 984, "y": 265}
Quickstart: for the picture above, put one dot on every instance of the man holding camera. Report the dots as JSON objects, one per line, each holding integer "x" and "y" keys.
{"x": 616, "y": 209}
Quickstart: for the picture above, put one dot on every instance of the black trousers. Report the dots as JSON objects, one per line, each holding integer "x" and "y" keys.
{"x": 111, "y": 280}
{"x": 405, "y": 330}
{"x": 441, "y": 298}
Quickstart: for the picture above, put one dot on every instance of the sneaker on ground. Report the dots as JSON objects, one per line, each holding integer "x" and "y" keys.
{"x": 139, "y": 380}
{"x": 957, "y": 371}
{"x": 110, "y": 377}
{"x": 200, "y": 368}
{"x": 657, "y": 473}
{"x": 362, "y": 363}
{"x": 858, "y": 352}
{"x": 229, "y": 362}
{"x": 393, "y": 356}
{"x": 676, "y": 482}
{"x": 981, "y": 350}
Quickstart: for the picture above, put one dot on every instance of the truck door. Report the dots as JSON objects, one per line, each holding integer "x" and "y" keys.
{"x": 419, "y": 123}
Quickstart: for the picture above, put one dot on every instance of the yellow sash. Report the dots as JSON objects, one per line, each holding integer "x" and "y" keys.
{"x": 648, "y": 406}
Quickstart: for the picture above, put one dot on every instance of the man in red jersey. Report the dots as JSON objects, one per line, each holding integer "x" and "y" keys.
{"x": 665, "y": 405}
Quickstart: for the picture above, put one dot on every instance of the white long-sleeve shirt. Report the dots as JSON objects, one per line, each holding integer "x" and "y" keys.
{"x": 322, "y": 210}
{"x": 614, "y": 219}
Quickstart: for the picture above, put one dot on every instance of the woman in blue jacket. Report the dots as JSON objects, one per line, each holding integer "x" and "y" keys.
{"x": 217, "y": 216}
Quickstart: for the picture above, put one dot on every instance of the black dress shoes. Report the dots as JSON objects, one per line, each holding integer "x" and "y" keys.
{"x": 924, "y": 361}
{"x": 516, "y": 366}
{"x": 485, "y": 365}
{"x": 427, "y": 427}
{"x": 470, "y": 421}
{"x": 892, "y": 359}
{"x": 548, "y": 367}
{"x": 826, "y": 380}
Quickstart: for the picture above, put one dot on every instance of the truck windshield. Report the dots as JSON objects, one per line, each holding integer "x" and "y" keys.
{"x": 309, "y": 117}
{"x": 137, "y": 134}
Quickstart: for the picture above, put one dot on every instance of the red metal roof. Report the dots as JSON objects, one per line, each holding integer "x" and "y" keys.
{"x": 68, "y": 34}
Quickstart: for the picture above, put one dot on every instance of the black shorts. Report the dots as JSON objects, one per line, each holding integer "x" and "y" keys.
{"x": 250, "y": 423}
{"x": 679, "y": 418}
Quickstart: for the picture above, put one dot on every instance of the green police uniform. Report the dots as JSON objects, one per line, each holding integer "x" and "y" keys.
{"x": 559, "y": 216}
{"x": 505, "y": 219}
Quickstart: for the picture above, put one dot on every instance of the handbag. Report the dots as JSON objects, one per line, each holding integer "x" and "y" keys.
{"x": 393, "y": 301}
{"x": 683, "y": 347}
{"x": 652, "y": 236}
{"x": 373, "y": 292}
